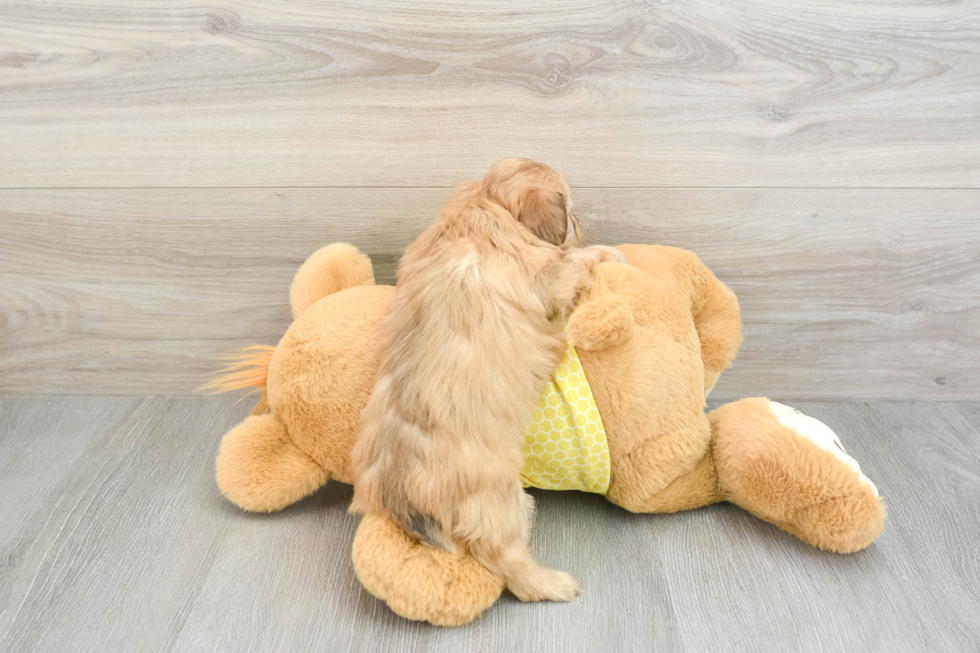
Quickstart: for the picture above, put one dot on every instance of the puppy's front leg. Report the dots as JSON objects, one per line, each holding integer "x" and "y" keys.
{"x": 573, "y": 273}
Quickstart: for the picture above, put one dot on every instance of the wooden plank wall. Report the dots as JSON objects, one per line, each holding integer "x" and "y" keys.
{"x": 165, "y": 168}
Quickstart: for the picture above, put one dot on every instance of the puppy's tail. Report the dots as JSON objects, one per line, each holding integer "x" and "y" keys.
{"x": 247, "y": 368}
{"x": 426, "y": 528}
{"x": 421, "y": 525}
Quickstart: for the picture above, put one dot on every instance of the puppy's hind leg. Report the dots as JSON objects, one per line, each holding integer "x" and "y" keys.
{"x": 499, "y": 541}
{"x": 529, "y": 580}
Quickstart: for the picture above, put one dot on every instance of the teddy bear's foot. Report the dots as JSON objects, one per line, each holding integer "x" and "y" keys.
{"x": 418, "y": 581}
{"x": 791, "y": 470}
{"x": 259, "y": 468}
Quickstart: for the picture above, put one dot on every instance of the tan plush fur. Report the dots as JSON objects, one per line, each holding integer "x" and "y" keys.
{"x": 279, "y": 473}
{"x": 447, "y": 589}
{"x": 474, "y": 333}
{"x": 653, "y": 337}
{"x": 791, "y": 482}
{"x": 331, "y": 269}
{"x": 316, "y": 381}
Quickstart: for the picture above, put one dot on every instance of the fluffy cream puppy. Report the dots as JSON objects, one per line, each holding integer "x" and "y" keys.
{"x": 475, "y": 331}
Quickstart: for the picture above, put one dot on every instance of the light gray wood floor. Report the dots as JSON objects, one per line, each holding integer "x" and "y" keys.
{"x": 114, "y": 537}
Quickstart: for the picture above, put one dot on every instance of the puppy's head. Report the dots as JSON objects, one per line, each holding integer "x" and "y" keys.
{"x": 537, "y": 196}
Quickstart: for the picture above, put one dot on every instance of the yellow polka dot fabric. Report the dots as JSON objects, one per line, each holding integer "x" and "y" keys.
{"x": 565, "y": 443}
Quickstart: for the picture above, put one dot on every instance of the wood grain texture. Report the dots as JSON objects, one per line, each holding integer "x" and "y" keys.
{"x": 116, "y": 538}
{"x": 845, "y": 293}
{"x": 935, "y": 464}
{"x": 407, "y": 93}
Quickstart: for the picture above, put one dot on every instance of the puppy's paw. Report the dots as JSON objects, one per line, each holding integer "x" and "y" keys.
{"x": 546, "y": 585}
{"x": 562, "y": 587}
{"x": 606, "y": 254}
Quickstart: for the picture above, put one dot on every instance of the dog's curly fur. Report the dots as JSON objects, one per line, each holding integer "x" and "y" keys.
{"x": 474, "y": 332}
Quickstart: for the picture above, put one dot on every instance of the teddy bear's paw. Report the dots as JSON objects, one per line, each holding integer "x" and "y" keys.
{"x": 260, "y": 469}
{"x": 417, "y": 581}
{"x": 819, "y": 434}
{"x": 600, "y": 323}
{"x": 544, "y": 584}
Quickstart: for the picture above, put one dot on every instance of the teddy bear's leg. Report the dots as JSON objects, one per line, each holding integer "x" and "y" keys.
{"x": 260, "y": 469}
{"x": 328, "y": 270}
{"x": 693, "y": 489}
{"x": 418, "y": 581}
{"x": 669, "y": 473}
{"x": 791, "y": 470}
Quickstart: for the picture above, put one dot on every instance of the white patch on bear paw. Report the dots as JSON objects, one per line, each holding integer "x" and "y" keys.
{"x": 819, "y": 434}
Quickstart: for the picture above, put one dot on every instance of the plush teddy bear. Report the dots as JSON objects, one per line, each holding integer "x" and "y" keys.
{"x": 647, "y": 343}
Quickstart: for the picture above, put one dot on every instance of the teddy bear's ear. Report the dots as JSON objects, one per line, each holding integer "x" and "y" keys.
{"x": 330, "y": 269}
{"x": 600, "y": 323}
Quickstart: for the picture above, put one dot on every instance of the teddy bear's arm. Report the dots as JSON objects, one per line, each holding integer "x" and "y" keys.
{"x": 719, "y": 325}
{"x": 600, "y": 323}
{"x": 714, "y": 307}
{"x": 260, "y": 469}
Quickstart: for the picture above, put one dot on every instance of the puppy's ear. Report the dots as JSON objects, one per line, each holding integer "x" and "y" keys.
{"x": 574, "y": 237}
{"x": 543, "y": 212}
